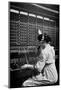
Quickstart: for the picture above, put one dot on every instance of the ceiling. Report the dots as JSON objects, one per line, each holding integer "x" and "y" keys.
{"x": 51, "y": 6}
{"x": 29, "y": 7}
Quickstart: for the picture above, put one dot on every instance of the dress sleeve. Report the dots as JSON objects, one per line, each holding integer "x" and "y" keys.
{"x": 41, "y": 62}
{"x": 51, "y": 56}
{"x": 39, "y": 65}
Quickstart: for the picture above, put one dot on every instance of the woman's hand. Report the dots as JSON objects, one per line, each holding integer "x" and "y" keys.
{"x": 27, "y": 66}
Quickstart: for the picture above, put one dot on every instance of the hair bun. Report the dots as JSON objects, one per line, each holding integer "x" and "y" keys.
{"x": 47, "y": 38}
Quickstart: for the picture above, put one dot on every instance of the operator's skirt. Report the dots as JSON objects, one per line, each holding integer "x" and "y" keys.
{"x": 49, "y": 77}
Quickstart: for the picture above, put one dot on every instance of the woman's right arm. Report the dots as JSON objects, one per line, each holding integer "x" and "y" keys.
{"x": 40, "y": 63}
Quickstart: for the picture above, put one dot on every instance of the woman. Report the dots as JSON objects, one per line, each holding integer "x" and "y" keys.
{"x": 45, "y": 65}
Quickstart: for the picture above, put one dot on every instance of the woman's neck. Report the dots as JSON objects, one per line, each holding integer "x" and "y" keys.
{"x": 46, "y": 44}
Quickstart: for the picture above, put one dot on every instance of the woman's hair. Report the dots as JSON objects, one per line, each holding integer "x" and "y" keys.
{"x": 39, "y": 37}
{"x": 46, "y": 39}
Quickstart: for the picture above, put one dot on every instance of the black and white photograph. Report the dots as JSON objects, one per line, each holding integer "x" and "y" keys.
{"x": 33, "y": 44}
